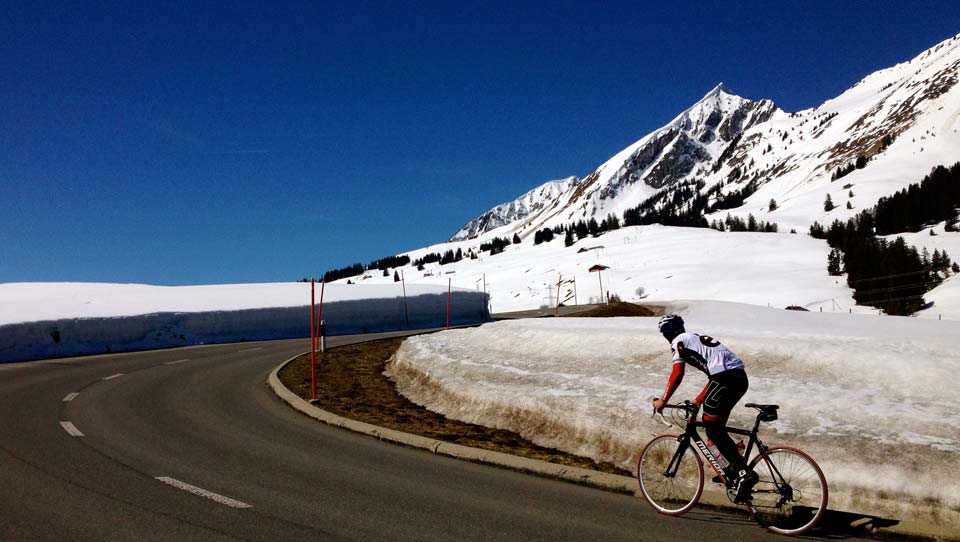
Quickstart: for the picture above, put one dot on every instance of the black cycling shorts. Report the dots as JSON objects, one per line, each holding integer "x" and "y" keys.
{"x": 723, "y": 391}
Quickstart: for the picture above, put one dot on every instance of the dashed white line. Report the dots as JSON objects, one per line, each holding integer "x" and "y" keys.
{"x": 111, "y": 377}
{"x": 70, "y": 397}
{"x": 249, "y": 349}
{"x": 216, "y": 497}
{"x": 176, "y": 362}
{"x": 71, "y": 429}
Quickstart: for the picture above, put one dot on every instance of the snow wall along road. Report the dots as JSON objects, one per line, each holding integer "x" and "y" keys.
{"x": 98, "y": 335}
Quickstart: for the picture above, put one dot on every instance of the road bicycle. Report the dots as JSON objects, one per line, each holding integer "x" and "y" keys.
{"x": 789, "y": 499}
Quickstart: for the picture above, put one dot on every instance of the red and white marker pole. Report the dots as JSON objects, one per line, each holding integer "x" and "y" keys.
{"x": 313, "y": 338}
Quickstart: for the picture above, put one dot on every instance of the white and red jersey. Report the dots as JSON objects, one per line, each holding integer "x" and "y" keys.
{"x": 705, "y": 353}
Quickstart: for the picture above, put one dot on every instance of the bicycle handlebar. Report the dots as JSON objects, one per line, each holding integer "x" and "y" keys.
{"x": 690, "y": 411}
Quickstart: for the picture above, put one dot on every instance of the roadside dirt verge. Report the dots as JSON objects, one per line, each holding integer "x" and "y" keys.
{"x": 350, "y": 383}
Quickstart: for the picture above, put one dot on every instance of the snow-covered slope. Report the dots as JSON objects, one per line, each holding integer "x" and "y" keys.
{"x": 778, "y": 269}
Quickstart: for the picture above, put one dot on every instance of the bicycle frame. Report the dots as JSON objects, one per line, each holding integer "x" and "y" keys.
{"x": 691, "y": 434}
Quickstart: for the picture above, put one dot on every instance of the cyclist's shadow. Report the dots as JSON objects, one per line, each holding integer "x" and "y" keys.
{"x": 838, "y": 524}
{"x": 834, "y": 524}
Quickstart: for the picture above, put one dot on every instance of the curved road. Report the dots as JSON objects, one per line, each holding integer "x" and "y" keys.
{"x": 190, "y": 444}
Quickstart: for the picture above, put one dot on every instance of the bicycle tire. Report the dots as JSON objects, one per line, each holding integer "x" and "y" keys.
{"x": 799, "y": 506}
{"x": 674, "y": 495}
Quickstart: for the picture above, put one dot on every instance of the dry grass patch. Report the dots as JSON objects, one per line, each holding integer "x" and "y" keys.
{"x": 350, "y": 383}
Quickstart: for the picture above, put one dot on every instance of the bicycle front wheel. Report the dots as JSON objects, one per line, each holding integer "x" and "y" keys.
{"x": 791, "y": 496}
{"x": 670, "y": 487}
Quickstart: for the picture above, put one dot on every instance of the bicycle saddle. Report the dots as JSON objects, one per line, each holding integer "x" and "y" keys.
{"x": 768, "y": 413}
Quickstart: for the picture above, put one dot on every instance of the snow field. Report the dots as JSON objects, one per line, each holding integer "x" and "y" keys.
{"x": 872, "y": 399}
{"x": 779, "y": 269}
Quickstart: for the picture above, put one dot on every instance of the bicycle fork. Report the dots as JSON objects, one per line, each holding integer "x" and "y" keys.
{"x": 674, "y": 465}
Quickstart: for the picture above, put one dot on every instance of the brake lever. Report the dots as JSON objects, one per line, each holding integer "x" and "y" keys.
{"x": 662, "y": 419}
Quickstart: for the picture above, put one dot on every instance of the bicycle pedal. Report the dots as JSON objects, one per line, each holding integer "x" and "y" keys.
{"x": 732, "y": 495}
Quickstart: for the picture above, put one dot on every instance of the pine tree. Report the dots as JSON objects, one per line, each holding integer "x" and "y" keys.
{"x": 849, "y": 205}
{"x": 817, "y": 231}
{"x": 939, "y": 261}
{"x": 582, "y": 229}
{"x": 568, "y": 238}
{"x": 828, "y": 204}
{"x": 773, "y": 205}
{"x": 516, "y": 238}
{"x": 835, "y": 262}
{"x": 396, "y": 276}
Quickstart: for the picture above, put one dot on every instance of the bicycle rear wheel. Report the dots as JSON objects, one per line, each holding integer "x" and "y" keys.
{"x": 671, "y": 494}
{"x": 791, "y": 496}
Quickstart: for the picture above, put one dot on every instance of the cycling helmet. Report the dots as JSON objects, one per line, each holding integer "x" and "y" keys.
{"x": 670, "y": 326}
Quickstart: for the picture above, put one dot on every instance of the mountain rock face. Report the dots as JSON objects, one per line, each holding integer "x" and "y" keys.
{"x": 898, "y": 123}
{"x": 526, "y": 206}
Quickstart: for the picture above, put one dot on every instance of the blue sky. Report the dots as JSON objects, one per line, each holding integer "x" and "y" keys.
{"x": 224, "y": 142}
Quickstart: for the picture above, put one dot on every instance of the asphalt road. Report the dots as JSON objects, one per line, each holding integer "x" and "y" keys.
{"x": 190, "y": 444}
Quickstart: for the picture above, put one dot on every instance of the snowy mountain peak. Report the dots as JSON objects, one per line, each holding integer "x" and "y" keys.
{"x": 745, "y": 153}
{"x": 717, "y": 90}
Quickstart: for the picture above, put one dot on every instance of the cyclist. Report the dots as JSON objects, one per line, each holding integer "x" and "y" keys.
{"x": 727, "y": 383}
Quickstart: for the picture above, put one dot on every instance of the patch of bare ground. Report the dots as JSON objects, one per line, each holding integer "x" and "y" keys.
{"x": 618, "y": 309}
{"x": 350, "y": 383}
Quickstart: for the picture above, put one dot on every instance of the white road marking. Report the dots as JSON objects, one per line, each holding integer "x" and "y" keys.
{"x": 176, "y": 362}
{"x": 203, "y": 492}
{"x": 70, "y": 397}
{"x": 111, "y": 377}
{"x": 250, "y": 349}
{"x": 71, "y": 429}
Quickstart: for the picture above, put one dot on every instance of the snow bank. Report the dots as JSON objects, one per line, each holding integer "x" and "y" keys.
{"x": 40, "y": 321}
{"x": 872, "y": 398}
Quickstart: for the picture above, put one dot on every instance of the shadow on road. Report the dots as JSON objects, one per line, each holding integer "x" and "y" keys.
{"x": 837, "y": 524}
{"x": 834, "y": 525}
